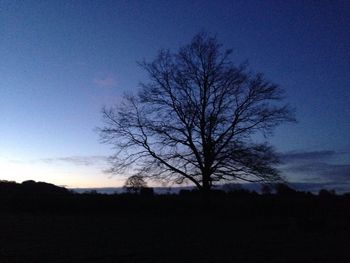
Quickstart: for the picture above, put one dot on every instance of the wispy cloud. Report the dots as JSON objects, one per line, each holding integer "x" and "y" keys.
{"x": 106, "y": 81}
{"x": 316, "y": 167}
{"x": 309, "y": 170}
{"x": 323, "y": 170}
{"x": 78, "y": 160}
{"x": 307, "y": 156}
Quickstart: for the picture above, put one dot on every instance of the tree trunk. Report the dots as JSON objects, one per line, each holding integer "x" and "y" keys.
{"x": 206, "y": 186}
{"x": 206, "y": 190}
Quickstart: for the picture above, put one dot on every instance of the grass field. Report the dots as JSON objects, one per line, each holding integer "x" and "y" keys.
{"x": 210, "y": 236}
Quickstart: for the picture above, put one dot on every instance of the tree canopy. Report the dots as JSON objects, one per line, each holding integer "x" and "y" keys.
{"x": 135, "y": 183}
{"x": 196, "y": 120}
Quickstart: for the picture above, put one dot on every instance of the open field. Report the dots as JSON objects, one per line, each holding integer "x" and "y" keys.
{"x": 177, "y": 233}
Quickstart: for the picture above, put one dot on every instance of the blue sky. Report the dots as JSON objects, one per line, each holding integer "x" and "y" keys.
{"x": 61, "y": 61}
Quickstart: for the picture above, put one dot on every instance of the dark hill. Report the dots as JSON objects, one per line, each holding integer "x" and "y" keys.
{"x": 30, "y": 188}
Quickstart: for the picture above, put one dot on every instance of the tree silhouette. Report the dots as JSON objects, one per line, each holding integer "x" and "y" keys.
{"x": 135, "y": 183}
{"x": 195, "y": 120}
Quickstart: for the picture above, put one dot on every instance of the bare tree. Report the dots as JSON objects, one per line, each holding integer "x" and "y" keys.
{"x": 195, "y": 120}
{"x": 135, "y": 183}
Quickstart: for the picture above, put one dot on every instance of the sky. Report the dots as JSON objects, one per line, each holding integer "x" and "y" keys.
{"x": 62, "y": 61}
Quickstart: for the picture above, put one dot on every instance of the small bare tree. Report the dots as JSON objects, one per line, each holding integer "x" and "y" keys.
{"x": 135, "y": 183}
{"x": 195, "y": 120}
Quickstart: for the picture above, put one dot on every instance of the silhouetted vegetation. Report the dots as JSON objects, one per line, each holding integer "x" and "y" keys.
{"x": 194, "y": 119}
{"x": 40, "y": 196}
{"x": 135, "y": 183}
{"x": 31, "y": 188}
{"x": 44, "y": 223}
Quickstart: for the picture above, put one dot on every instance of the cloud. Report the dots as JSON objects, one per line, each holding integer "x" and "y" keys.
{"x": 317, "y": 167}
{"x": 78, "y": 160}
{"x": 322, "y": 170}
{"x": 306, "y": 156}
{"x": 106, "y": 81}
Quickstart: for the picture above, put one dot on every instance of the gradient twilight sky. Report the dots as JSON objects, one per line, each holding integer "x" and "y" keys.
{"x": 61, "y": 61}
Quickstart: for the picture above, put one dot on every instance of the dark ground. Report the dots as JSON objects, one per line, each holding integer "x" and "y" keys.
{"x": 240, "y": 227}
